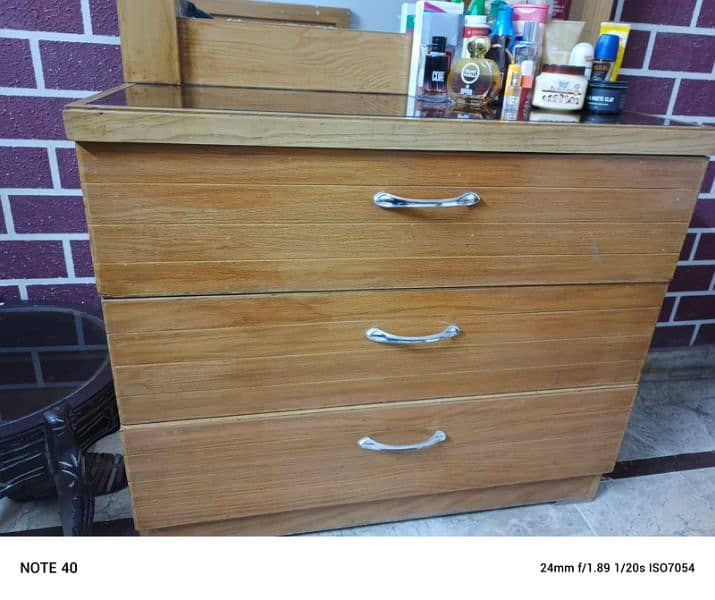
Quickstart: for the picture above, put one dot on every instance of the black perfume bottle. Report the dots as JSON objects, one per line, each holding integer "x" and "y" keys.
{"x": 434, "y": 87}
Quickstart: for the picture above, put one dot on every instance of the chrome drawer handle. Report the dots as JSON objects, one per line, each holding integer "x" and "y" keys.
{"x": 367, "y": 443}
{"x": 374, "y": 334}
{"x": 385, "y": 200}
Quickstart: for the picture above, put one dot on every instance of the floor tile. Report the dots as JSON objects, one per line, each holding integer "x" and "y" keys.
{"x": 20, "y": 516}
{"x": 669, "y": 504}
{"x": 633, "y": 447}
{"x": 111, "y": 444}
{"x": 703, "y": 482}
{"x": 539, "y": 520}
{"x": 671, "y": 418}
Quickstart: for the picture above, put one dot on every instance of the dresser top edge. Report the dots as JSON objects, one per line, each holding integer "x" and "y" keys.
{"x": 97, "y": 119}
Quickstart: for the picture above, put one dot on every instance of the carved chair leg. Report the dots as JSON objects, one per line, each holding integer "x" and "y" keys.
{"x": 67, "y": 467}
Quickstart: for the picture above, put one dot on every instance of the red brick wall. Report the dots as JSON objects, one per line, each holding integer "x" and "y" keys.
{"x": 56, "y": 51}
{"x": 51, "y": 52}
{"x": 670, "y": 66}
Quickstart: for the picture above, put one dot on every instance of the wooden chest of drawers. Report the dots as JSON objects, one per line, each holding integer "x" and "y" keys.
{"x": 294, "y": 349}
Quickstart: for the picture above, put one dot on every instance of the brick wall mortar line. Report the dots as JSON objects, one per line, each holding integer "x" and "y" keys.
{"x": 673, "y": 97}
{"x": 22, "y": 288}
{"x": 694, "y": 120}
{"x": 681, "y": 29}
{"x": 37, "y": 64}
{"x": 712, "y": 284}
{"x": 696, "y": 332}
{"x": 674, "y": 312}
{"x": 649, "y": 50}
{"x": 619, "y": 10}
{"x": 696, "y": 13}
{"x": 87, "y": 16}
{"x": 69, "y": 259}
{"x": 666, "y": 74}
{"x": 696, "y": 263}
{"x": 35, "y": 143}
{"x": 54, "y": 168}
{"x": 44, "y": 237}
{"x": 49, "y": 281}
{"x": 45, "y": 93}
{"x": 691, "y": 294}
{"x": 685, "y": 323}
{"x": 7, "y": 214}
{"x": 41, "y": 192}
{"x": 694, "y": 249}
{"x": 52, "y": 36}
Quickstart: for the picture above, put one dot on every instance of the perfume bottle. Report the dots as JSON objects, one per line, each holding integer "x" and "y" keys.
{"x": 434, "y": 87}
{"x": 475, "y": 81}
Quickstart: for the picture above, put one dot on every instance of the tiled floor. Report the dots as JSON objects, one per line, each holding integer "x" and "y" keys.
{"x": 674, "y": 414}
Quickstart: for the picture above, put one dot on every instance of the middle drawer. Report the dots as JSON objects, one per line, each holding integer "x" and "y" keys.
{"x": 186, "y": 358}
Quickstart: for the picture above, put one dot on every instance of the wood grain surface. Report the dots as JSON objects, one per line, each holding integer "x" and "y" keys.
{"x": 196, "y": 278}
{"x": 144, "y": 256}
{"x": 232, "y": 127}
{"x": 225, "y": 53}
{"x": 240, "y": 204}
{"x": 381, "y": 511}
{"x": 593, "y": 13}
{"x": 124, "y": 244}
{"x": 194, "y": 358}
{"x": 172, "y": 314}
{"x": 259, "y": 465}
{"x": 150, "y": 42}
{"x": 152, "y": 163}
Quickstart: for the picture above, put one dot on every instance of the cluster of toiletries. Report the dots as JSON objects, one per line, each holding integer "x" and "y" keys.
{"x": 510, "y": 56}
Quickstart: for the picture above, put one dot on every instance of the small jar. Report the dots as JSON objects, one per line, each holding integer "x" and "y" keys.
{"x": 561, "y": 87}
{"x": 606, "y": 97}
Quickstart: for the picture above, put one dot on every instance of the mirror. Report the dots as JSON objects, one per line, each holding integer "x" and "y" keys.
{"x": 367, "y": 15}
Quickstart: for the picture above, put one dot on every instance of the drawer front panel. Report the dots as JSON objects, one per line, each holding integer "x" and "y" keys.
{"x": 186, "y": 358}
{"x": 121, "y": 244}
{"x": 237, "y": 204}
{"x": 226, "y": 277}
{"x": 180, "y": 220}
{"x": 276, "y": 463}
{"x": 167, "y": 163}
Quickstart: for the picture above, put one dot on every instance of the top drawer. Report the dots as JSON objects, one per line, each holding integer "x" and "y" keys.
{"x": 172, "y": 220}
{"x": 171, "y": 163}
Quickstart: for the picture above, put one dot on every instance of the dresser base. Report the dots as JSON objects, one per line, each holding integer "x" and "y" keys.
{"x": 355, "y": 515}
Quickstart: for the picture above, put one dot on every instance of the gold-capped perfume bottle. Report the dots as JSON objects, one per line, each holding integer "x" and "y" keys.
{"x": 475, "y": 81}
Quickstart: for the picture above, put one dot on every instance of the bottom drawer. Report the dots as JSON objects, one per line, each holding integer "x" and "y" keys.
{"x": 229, "y": 468}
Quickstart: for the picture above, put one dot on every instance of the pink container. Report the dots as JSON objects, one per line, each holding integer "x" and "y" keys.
{"x": 529, "y": 12}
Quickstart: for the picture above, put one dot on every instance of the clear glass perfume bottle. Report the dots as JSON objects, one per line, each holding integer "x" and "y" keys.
{"x": 475, "y": 81}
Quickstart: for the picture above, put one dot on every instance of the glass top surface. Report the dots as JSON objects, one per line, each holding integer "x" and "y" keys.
{"x": 207, "y": 98}
{"x": 46, "y": 354}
